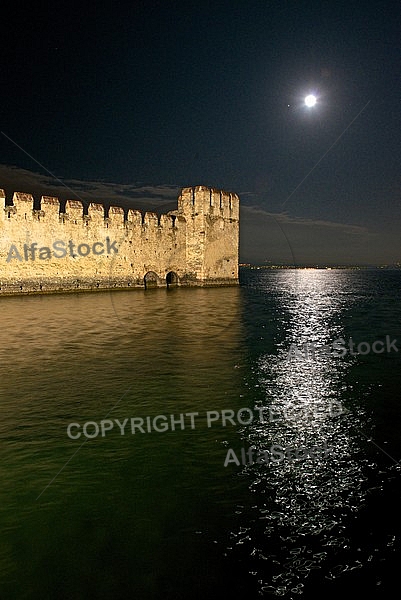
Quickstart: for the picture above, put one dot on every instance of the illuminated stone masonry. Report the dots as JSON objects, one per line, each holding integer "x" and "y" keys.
{"x": 43, "y": 251}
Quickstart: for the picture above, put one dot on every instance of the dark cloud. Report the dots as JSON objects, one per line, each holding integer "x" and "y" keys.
{"x": 160, "y": 198}
{"x": 281, "y": 239}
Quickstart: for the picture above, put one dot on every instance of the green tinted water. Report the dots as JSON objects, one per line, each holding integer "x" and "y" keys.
{"x": 156, "y": 514}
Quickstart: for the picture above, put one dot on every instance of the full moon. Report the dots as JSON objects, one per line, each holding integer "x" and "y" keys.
{"x": 310, "y": 100}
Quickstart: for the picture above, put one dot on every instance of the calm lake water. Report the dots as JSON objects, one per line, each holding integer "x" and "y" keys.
{"x": 155, "y": 514}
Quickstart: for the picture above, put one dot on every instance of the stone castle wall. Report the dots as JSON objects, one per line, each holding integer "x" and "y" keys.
{"x": 48, "y": 251}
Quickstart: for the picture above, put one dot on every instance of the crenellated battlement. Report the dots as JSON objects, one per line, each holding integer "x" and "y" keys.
{"x": 51, "y": 209}
{"x": 22, "y": 209}
{"x": 96, "y": 213}
{"x": 48, "y": 248}
{"x": 204, "y": 200}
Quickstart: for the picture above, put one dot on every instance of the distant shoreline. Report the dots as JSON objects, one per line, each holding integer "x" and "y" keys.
{"x": 394, "y": 267}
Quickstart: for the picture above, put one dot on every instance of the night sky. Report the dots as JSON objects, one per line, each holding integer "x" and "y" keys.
{"x": 127, "y": 102}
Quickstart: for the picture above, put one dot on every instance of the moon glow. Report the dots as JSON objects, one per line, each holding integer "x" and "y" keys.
{"x": 310, "y": 100}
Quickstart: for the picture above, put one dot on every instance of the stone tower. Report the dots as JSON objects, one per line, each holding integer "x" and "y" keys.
{"x": 212, "y": 235}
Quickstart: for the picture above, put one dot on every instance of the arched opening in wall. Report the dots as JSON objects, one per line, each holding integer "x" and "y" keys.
{"x": 172, "y": 279}
{"x": 150, "y": 280}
